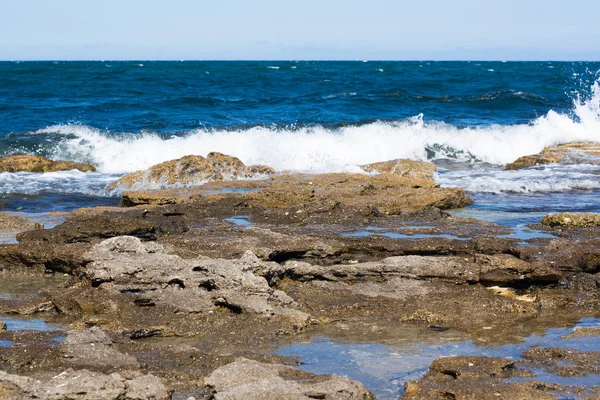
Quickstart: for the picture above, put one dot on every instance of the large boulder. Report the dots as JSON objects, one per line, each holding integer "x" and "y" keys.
{"x": 28, "y": 163}
{"x": 403, "y": 167}
{"x": 82, "y": 385}
{"x": 246, "y": 380}
{"x": 565, "y": 154}
{"x": 572, "y": 220}
{"x": 191, "y": 170}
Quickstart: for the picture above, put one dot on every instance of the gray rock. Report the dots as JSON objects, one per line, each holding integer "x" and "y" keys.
{"x": 93, "y": 348}
{"x": 83, "y": 385}
{"x": 248, "y": 380}
{"x": 125, "y": 264}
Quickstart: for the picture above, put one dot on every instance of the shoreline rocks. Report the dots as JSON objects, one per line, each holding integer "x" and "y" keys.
{"x": 28, "y": 163}
{"x": 564, "y": 154}
{"x": 247, "y": 380}
{"x": 191, "y": 170}
{"x": 84, "y": 384}
{"x": 571, "y": 220}
{"x": 407, "y": 168}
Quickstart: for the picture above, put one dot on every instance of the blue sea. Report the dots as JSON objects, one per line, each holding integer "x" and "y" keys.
{"x": 470, "y": 118}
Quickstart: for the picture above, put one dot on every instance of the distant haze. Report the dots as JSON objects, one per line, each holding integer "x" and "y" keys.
{"x": 307, "y": 29}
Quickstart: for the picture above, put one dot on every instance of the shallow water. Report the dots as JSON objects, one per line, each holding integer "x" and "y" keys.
{"x": 385, "y": 368}
{"x": 17, "y": 324}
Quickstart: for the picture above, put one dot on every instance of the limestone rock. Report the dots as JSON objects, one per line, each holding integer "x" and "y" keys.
{"x": 125, "y": 264}
{"x": 16, "y": 223}
{"x": 246, "y": 380}
{"x": 27, "y": 163}
{"x": 403, "y": 167}
{"x": 83, "y": 385}
{"x": 565, "y": 154}
{"x": 93, "y": 348}
{"x": 191, "y": 170}
{"x": 570, "y": 220}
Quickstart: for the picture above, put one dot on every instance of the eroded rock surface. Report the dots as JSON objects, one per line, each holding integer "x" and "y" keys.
{"x": 579, "y": 220}
{"x": 384, "y": 193}
{"x": 27, "y": 163}
{"x": 565, "y": 154}
{"x": 247, "y": 379}
{"x": 191, "y": 170}
{"x": 84, "y": 385}
{"x": 476, "y": 378}
{"x": 404, "y": 167}
{"x": 125, "y": 264}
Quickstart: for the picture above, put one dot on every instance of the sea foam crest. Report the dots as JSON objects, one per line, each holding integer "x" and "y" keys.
{"x": 319, "y": 149}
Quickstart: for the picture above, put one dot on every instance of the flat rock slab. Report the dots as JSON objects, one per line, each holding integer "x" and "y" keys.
{"x": 247, "y": 380}
{"x": 27, "y": 163}
{"x": 84, "y": 385}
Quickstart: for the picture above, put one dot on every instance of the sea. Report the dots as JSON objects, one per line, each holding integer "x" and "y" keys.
{"x": 470, "y": 118}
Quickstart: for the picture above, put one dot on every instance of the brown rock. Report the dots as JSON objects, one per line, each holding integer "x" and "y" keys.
{"x": 2, "y": 326}
{"x": 569, "y": 220}
{"x": 388, "y": 194}
{"x": 565, "y": 154}
{"x": 191, "y": 170}
{"x": 402, "y": 167}
{"x": 27, "y": 163}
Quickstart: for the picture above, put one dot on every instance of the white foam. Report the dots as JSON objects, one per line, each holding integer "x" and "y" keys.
{"x": 89, "y": 183}
{"x": 547, "y": 179}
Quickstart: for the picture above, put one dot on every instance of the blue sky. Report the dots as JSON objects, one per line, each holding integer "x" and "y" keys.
{"x": 302, "y": 29}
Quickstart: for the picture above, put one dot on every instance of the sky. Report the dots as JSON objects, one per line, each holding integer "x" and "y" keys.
{"x": 302, "y": 29}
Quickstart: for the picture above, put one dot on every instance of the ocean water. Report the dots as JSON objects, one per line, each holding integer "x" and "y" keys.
{"x": 470, "y": 118}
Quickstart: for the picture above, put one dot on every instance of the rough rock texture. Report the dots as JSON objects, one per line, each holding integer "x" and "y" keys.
{"x": 2, "y": 326}
{"x": 125, "y": 264}
{"x": 191, "y": 170}
{"x": 403, "y": 167}
{"x": 84, "y": 228}
{"x": 476, "y": 378}
{"x": 16, "y": 223}
{"x": 84, "y": 385}
{"x": 27, "y": 163}
{"x": 247, "y": 380}
{"x": 566, "y": 154}
{"x": 93, "y": 348}
{"x": 380, "y": 194}
{"x": 570, "y": 220}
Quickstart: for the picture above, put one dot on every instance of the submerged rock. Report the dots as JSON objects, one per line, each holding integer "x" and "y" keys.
{"x": 82, "y": 385}
{"x": 27, "y": 163}
{"x": 404, "y": 167}
{"x": 565, "y": 154}
{"x": 579, "y": 220}
{"x": 191, "y": 170}
{"x": 246, "y": 380}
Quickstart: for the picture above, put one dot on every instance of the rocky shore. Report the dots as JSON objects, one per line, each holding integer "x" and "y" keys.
{"x": 188, "y": 291}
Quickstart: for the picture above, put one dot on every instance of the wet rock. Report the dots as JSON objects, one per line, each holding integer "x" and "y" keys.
{"x": 385, "y": 193}
{"x": 125, "y": 264}
{"x": 83, "y": 384}
{"x": 476, "y": 378}
{"x": 486, "y": 269}
{"x": 43, "y": 257}
{"x": 247, "y": 379}
{"x": 565, "y": 362}
{"x": 569, "y": 220}
{"x": 27, "y": 163}
{"x": 404, "y": 167}
{"x": 191, "y": 170}
{"x": 583, "y": 332}
{"x": 93, "y": 349}
{"x": 16, "y": 223}
{"x": 565, "y": 154}
{"x": 2, "y": 326}
{"x": 85, "y": 228}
